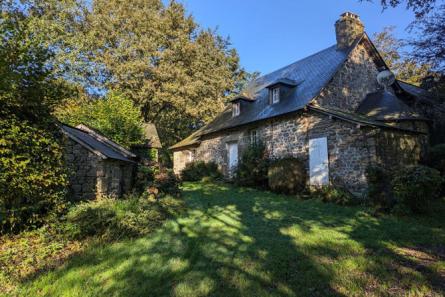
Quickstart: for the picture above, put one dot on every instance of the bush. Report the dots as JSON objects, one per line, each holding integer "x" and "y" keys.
{"x": 196, "y": 171}
{"x": 166, "y": 182}
{"x": 436, "y": 158}
{"x": 32, "y": 173}
{"x": 252, "y": 168}
{"x": 287, "y": 176}
{"x": 112, "y": 219}
{"x": 337, "y": 195}
{"x": 379, "y": 187}
{"x": 416, "y": 187}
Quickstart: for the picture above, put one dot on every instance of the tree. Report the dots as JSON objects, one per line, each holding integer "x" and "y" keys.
{"x": 428, "y": 29}
{"x": 392, "y": 51}
{"x": 32, "y": 175}
{"x": 115, "y": 116}
{"x": 176, "y": 73}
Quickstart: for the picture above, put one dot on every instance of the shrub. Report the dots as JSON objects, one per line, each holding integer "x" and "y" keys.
{"x": 335, "y": 195}
{"x": 112, "y": 219}
{"x": 416, "y": 187}
{"x": 287, "y": 176}
{"x": 32, "y": 175}
{"x": 166, "y": 182}
{"x": 436, "y": 158}
{"x": 196, "y": 171}
{"x": 379, "y": 187}
{"x": 252, "y": 168}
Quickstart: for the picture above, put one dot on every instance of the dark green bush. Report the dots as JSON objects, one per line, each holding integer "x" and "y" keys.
{"x": 196, "y": 171}
{"x": 436, "y": 158}
{"x": 32, "y": 173}
{"x": 379, "y": 187}
{"x": 335, "y": 195}
{"x": 252, "y": 167}
{"x": 112, "y": 219}
{"x": 287, "y": 176}
{"x": 416, "y": 187}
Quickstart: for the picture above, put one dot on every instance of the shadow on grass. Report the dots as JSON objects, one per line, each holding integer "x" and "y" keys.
{"x": 241, "y": 242}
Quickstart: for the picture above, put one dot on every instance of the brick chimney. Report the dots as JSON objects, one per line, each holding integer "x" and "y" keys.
{"x": 347, "y": 29}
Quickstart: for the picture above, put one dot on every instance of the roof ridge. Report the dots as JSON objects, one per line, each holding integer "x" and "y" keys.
{"x": 105, "y": 140}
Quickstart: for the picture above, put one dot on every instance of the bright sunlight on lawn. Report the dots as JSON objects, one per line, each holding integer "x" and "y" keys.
{"x": 241, "y": 242}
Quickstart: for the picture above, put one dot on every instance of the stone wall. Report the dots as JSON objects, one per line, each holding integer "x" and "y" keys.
{"x": 350, "y": 148}
{"x": 350, "y": 85}
{"x": 90, "y": 176}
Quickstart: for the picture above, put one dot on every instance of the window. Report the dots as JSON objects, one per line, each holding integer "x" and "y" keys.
{"x": 275, "y": 95}
{"x": 235, "y": 109}
{"x": 253, "y": 137}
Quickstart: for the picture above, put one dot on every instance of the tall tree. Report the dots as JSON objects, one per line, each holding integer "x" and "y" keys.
{"x": 175, "y": 72}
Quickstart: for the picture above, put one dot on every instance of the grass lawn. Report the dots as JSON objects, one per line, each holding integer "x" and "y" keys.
{"x": 242, "y": 242}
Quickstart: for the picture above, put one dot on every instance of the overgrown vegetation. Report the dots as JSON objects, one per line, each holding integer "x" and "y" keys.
{"x": 287, "y": 176}
{"x": 252, "y": 167}
{"x": 379, "y": 187}
{"x": 86, "y": 224}
{"x": 198, "y": 170}
{"x": 32, "y": 177}
{"x": 243, "y": 242}
{"x": 417, "y": 187}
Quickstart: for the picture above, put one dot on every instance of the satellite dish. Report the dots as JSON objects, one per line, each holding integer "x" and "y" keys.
{"x": 386, "y": 78}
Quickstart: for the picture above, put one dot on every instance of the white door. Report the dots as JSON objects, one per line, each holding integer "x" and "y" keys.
{"x": 233, "y": 156}
{"x": 318, "y": 162}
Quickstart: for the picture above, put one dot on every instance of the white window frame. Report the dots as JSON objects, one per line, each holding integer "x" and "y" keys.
{"x": 275, "y": 95}
{"x": 236, "y": 109}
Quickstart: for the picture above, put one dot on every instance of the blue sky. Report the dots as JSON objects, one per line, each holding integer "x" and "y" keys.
{"x": 269, "y": 34}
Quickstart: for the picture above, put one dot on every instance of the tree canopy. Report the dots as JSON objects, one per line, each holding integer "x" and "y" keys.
{"x": 176, "y": 73}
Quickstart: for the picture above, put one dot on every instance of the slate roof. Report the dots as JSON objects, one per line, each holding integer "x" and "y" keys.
{"x": 97, "y": 143}
{"x": 310, "y": 75}
{"x": 385, "y": 106}
{"x": 151, "y": 134}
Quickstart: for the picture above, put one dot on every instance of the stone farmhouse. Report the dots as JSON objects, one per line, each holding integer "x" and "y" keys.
{"x": 100, "y": 167}
{"x": 340, "y": 110}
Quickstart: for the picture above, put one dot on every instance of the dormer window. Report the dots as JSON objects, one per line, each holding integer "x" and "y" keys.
{"x": 235, "y": 109}
{"x": 275, "y": 95}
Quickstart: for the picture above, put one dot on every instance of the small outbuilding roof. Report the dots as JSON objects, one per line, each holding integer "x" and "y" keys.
{"x": 151, "y": 135}
{"x": 97, "y": 143}
{"x": 385, "y": 106}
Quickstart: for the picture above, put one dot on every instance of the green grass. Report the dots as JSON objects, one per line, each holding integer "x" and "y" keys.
{"x": 241, "y": 242}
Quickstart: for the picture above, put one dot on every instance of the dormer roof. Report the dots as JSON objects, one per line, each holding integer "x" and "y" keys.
{"x": 282, "y": 81}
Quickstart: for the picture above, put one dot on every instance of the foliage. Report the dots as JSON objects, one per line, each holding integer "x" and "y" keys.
{"x": 405, "y": 68}
{"x": 166, "y": 183}
{"x": 115, "y": 116}
{"x": 287, "y": 176}
{"x": 428, "y": 30}
{"x": 152, "y": 53}
{"x": 197, "y": 170}
{"x": 30, "y": 252}
{"x": 436, "y": 158}
{"x": 252, "y": 167}
{"x": 32, "y": 177}
{"x": 337, "y": 195}
{"x": 379, "y": 187}
{"x": 416, "y": 187}
{"x": 230, "y": 234}
{"x": 112, "y": 219}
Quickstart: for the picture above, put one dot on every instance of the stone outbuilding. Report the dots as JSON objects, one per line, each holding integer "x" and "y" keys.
{"x": 97, "y": 166}
{"x": 339, "y": 110}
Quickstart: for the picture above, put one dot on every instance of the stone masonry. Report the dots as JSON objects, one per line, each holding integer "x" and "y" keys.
{"x": 92, "y": 177}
